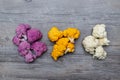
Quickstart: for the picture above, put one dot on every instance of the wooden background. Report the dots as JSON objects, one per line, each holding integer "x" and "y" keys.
{"x": 43, "y": 14}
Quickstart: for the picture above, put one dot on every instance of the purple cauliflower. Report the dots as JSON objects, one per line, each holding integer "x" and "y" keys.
{"x": 39, "y": 48}
{"x": 21, "y": 30}
{"x": 24, "y": 48}
{"x": 27, "y": 41}
{"x": 16, "y": 40}
{"x": 33, "y": 35}
{"x": 30, "y": 57}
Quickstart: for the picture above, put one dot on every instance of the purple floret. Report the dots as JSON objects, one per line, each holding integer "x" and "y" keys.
{"x": 30, "y": 57}
{"x": 33, "y": 35}
{"x": 21, "y": 30}
{"x": 16, "y": 40}
{"x": 39, "y": 48}
{"x": 24, "y": 48}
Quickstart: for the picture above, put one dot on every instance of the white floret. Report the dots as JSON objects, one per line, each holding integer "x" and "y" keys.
{"x": 100, "y": 53}
{"x": 103, "y": 42}
{"x": 99, "y": 31}
{"x": 90, "y": 43}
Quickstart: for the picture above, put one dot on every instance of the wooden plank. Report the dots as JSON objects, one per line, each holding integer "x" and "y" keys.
{"x": 43, "y": 14}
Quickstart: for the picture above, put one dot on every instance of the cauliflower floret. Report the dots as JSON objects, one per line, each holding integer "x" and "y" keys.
{"x": 21, "y": 34}
{"x": 103, "y": 42}
{"x": 70, "y": 47}
{"x": 61, "y": 47}
{"x": 58, "y": 50}
{"x": 39, "y": 48}
{"x": 24, "y": 48}
{"x": 16, "y": 40}
{"x": 99, "y": 31}
{"x": 34, "y": 35}
{"x": 29, "y": 57}
{"x": 100, "y": 53}
{"x": 63, "y": 41}
{"x": 54, "y": 34}
{"x": 90, "y": 43}
{"x": 71, "y": 33}
{"x": 21, "y": 30}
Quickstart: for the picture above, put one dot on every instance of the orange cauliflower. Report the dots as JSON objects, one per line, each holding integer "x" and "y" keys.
{"x": 58, "y": 50}
{"x": 63, "y": 41}
{"x": 54, "y": 34}
{"x": 70, "y": 47}
{"x": 71, "y": 33}
{"x": 61, "y": 47}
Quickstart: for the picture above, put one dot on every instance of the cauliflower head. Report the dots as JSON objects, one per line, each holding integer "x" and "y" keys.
{"x": 72, "y": 34}
{"x": 94, "y": 44}
{"x": 103, "y": 42}
{"x": 100, "y": 53}
{"x": 99, "y": 31}
{"x": 63, "y": 41}
{"x": 54, "y": 34}
{"x": 70, "y": 47}
{"x": 58, "y": 50}
{"x": 90, "y": 43}
{"x": 62, "y": 47}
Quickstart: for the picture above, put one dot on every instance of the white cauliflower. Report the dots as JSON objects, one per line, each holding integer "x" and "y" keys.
{"x": 103, "y": 42}
{"x": 99, "y": 31}
{"x": 93, "y": 44}
{"x": 100, "y": 53}
{"x": 90, "y": 43}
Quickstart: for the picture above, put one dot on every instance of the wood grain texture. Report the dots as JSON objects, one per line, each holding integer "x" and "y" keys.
{"x": 43, "y": 14}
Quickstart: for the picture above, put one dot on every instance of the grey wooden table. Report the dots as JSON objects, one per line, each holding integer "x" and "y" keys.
{"x": 43, "y": 14}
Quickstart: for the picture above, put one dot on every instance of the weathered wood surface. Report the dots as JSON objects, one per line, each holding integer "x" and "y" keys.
{"x": 43, "y": 14}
